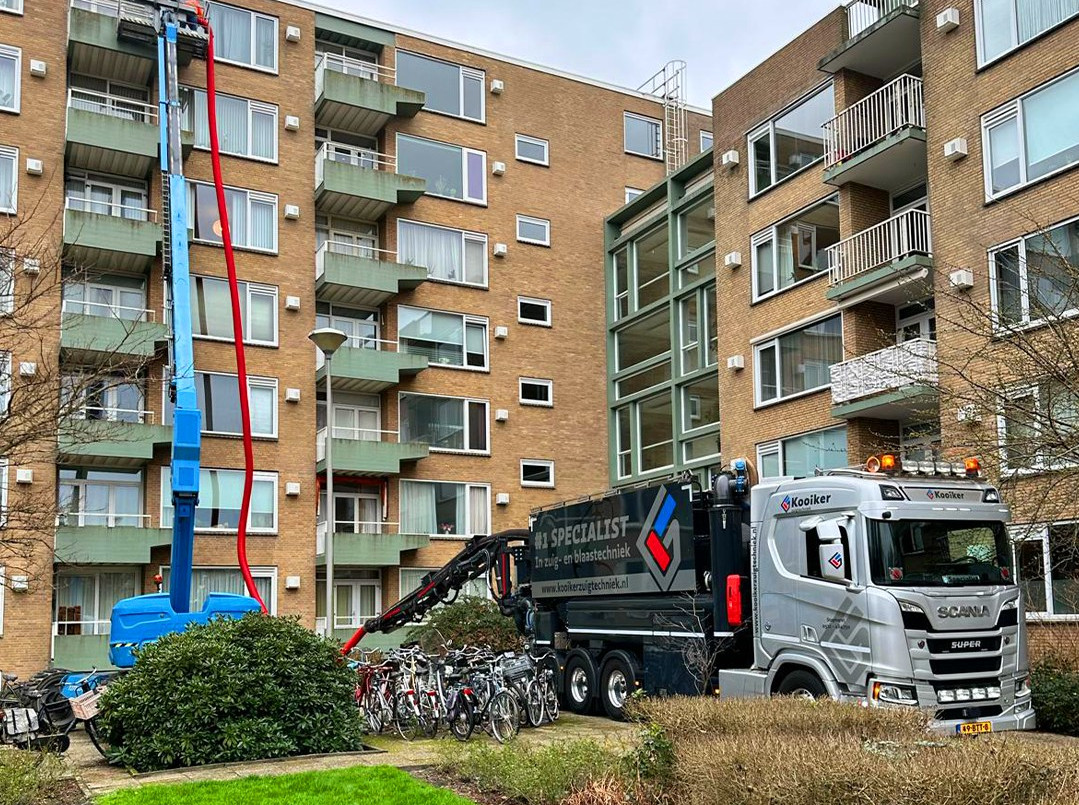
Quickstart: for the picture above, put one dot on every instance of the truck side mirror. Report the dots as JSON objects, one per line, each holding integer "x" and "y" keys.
{"x": 833, "y": 562}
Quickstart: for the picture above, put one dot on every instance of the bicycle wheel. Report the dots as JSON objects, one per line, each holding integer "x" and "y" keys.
{"x": 429, "y": 714}
{"x": 372, "y": 710}
{"x": 462, "y": 718}
{"x": 406, "y": 718}
{"x": 505, "y": 715}
{"x": 99, "y": 742}
{"x": 534, "y": 703}
{"x": 550, "y": 700}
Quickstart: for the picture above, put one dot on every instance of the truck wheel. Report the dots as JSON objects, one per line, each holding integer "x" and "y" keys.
{"x": 617, "y": 682}
{"x": 802, "y": 685}
{"x": 580, "y": 682}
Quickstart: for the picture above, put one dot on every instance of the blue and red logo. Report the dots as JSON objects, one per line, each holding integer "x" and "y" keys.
{"x": 659, "y": 543}
{"x": 836, "y": 561}
{"x": 786, "y": 504}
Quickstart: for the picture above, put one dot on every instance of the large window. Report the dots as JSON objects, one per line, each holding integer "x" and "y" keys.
{"x": 107, "y": 195}
{"x": 790, "y": 142}
{"x": 113, "y": 297}
{"x": 449, "y": 255}
{"x": 655, "y": 433}
{"x": 696, "y": 226}
{"x": 450, "y": 88}
{"x": 10, "y": 71}
{"x": 697, "y": 333}
{"x": 643, "y": 136}
{"x": 1004, "y": 25}
{"x": 244, "y": 37}
{"x": 447, "y": 339}
{"x": 641, "y": 272}
{"x": 1047, "y": 558}
{"x": 252, "y": 216}
{"x": 794, "y": 250}
{"x": 1038, "y": 427}
{"x": 445, "y": 509}
{"x": 9, "y": 179}
{"x": 643, "y": 339}
{"x": 220, "y": 493}
{"x": 450, "y": 170}
{"x": 245, "y": 128}
{"x": 85, "y": 598}
{"x": 206, "y": 580}
{"x": 211, "y": 310}
{"x": 1032, "y": 137}
{"x": 219, "y": 401}
{"x": 15, "y": 7}
{"x": 104, "y": 398}
{"x": 108, "y": 498}
{"x": 445, "y": 423}
{"x": 798, "y": 361}
{"x": 412, "y": 577}
{"x": 800, "y": 456}
{"x": 1033, "y": 279}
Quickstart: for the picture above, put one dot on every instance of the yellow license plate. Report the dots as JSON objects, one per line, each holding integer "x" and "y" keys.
{"x": 974, "y": 728}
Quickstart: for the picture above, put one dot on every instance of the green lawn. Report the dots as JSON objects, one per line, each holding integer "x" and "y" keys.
{"x": 384, "y": 785}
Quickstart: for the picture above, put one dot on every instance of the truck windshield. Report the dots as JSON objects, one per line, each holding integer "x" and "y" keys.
{"x": 938, "y": 553}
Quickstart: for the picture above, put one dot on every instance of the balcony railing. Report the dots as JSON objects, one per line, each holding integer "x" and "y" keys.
{"x": 894, "y": 106}
{"x": 128, "y": 212}
{"x": 910, "y": 363}
{"x": 106, "y": 310}
{"x": 362, "y": 250}
{"x": 96, "y": 413}
{"x": 103, "y": 103}
{"x": 353, "y": 434}
{"x": 115, "y": 8}
{"x": 106, "y": 519}
{"x": 355, "y": 67}
{"x": 861, "y": 14}
{"x": 901, "y": 236}
{"x": 83, "y": 627}
{"x": 350, "y": 155}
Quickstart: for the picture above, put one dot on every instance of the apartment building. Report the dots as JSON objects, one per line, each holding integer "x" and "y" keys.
{"x": 901, "y": 162}
{"x": 435, "y": 202}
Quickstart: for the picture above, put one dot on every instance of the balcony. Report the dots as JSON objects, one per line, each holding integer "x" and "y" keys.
{"x": 350, "y": 274}
{"x": 81, "y": 646}
{"x": 893, "y": 383}
{"x": 358, "y": 96}
{"x": 889, "y": 262}
{"x": 360, "y": 183}
{"x": 94, "y": 333}
{"x": 110, "y": 134}
{"x": 366, "y": 366}
{"x": 111, "y": 438}
{"x": 376, "y": 545}
{"x": 365, "y": 452}
{"x": 883, "y": 37}
{"x": 880, "y": 140}
{"x": 107, "y": 539}
{"x": 110, "y": 237}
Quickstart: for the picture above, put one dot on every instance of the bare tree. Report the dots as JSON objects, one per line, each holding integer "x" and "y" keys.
{"x": 700, "y": 652}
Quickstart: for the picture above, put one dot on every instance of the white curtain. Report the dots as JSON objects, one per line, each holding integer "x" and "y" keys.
{"x": 265, "y": 43}
{"x": 786, "y": 255}
{"x": 1036, "y": 16}
{"x": 236, "y": 204}
{"x": 262, "y": 134}
{"x": 418, "y": 508}
{"x": 9, "y": 82}
{"x": 232, "y": 116}
{"x": 262, "y": 410}
{"x": 263, "y": 225}
{"x": 222, "y": 580}
{"x": 232, "y": 33}
{"x": 475, "y": 255}
{"x": 260, "y": 321}
{"x": 7, "y": 181}
{"x": 479, "y": 505}
{"x": 438, "y": 250}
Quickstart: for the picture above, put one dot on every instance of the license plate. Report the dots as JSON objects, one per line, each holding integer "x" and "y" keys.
{"x": 974, "y": 728}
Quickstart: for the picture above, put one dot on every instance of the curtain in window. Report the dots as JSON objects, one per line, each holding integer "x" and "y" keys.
{"x": 438, "y": 250}
{"x": 9, "y": 82}
{"x": 236, "y": 204}
{"x": 263, "y": 233}
{"x": 265, "y": 43}
{"x": 787, "y": 236}
{"x": 113, "y": 587}
{"x": 232, "y": 33}
{"x": 1051, "y": 119}
{"x": 262, "y": 505}
{"x": 7, "y": 182}
{"x": 222, "y": 580}
{"x": 262, "y": 409}
{"x": 232, "y": 116}
{"x": 263, "y": 129}
{"x": 260, "y": 323}
{"x": 460, "y": 500}
{"x": 1036, "y": 16}
{"x": 75, "y": 604}
{"x": 475, "y": 254}
{"x": 477, "y": 503}
{"x": 418, "y": 508}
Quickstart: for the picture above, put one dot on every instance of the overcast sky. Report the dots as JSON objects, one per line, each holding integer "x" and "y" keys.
{"x": 622, "y": 42}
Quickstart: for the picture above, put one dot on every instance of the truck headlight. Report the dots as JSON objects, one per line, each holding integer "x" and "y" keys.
{"x": 1022, "y": 686}
{"x": 889, "y": 693}
{"x": 1010, "y": 604}
{"x": 945, "y": 696}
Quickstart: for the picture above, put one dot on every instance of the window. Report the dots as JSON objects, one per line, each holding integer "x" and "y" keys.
{"x": 531, "y": 149}
{"x": 252, "y": 216}
{"x": 9, "y": 179}
{"x": 219, "y": 401}
{"x": 220, "y": 493}
{"x": 533, "y": 230}
{"x": 342, "y": 236}
{"x": 5, "y": 382}
{"x": 361, "y": 326}
{"x": 794, "y": 250}
{"x": 534, "y": 311}
{"x": 449, "y": 255}
{"x": 412, "y": 577}
{"x": 445, "y": 509}
{"x": 697, "y": 318}
{"x": 447, "y": 339}
{"x": 105, "y": 96}
{"x": 706, "y": 141}
{"x": 696, "y": 226}
{"x": 244, "y": 37}
{"x": 10, "y": 73}
{"x": 85, "y": 598}
{"x": 1039, "y": 427}
{"x": 800, "y": 456}
{"x": 211, "y": 310}
{"x": 642, "y": 339}
{"x": 1004, "y": 25}
{"x": 642, "y": 136}
{"x": 798, "y": 361}
{"x": 632, "y": 193}
{"x": 1033, "y": 279}
{"x": 15, "y": 7}
{"x": 655, "y": 433}
{"x": 355, "y": 600}
{"x": 450, "y": 88}
{"x": 445, "y": 423}
{"x": 1047, "y": 559}
{"x": 109, "y": 498}
{"x": 641, "y": 272}
{"x": 104, "y": 397}
{"x": 107, "y": 195}
{"x": 1032, "y": 137}
{"x": 206, "y": 580}
{"x": 533, "y": 391}
{"x": 7, "y": 280}
{"x": 245, "y": 128}
{"x": 537, "y": 472}
{"x": 700, "y": 404}
{"x": 450, "y": 170}
{"x": 791, "y": 142}
{"x": 114, "y": 297}
{"x": 3, "y": 521}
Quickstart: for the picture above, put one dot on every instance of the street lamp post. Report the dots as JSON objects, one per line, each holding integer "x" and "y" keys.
{"x": 329, "y": 340}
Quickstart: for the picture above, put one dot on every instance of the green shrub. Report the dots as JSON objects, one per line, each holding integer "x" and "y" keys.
{"x": 1055, "y": 694}
{"x": 472, "y": 621}
{"x": 25, "y": 777}
{"x": 246, "y": 689}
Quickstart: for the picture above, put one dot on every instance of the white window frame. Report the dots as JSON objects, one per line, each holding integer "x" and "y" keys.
{"x": 258, "y": 572}
{"x": 465, "y": 402}
{"x": 1042, "y": 466}
{"x": 1026, "y": 322}
{"x": 701, "y": 136}
{"x": 778, "y": 447}
{"x": 467, "y": 236}
{"x": 625, "y": 147}
{"x": 7, "y": 280}
{"x": 535, "y": 381}
{"x": 258, "y": 476}
{"x": 466, "y": 320}
{"x": 541, "y": 222}
{"x": 250, "y": 289}
{"x": 468, "y": 487}
{"x": 463, "y": 73}
{"x": 252, "y": 196}
{"x": 15, "y": 54}
{"x": 1039, "y": 532}
{"x": 773, "y": 341}
{"x": 3, "y": 521}
{"x": 79, "y": 517}
{"x": 632, "y": 193}
{"x": 979, "y": 19}
{"x": 252, "y": 380}
{"x": 357, "y": 585}
{"x": 253, "y": 107}
{"x": 482, "y": 202}
{"x": 5, "y": 381}
{"x": 12, "y": 153}
{"x": 769, "y": 127}
{"x": 17, "y": 8}
{"x": 544, "y": 303}
{"x": 255, "y": 16}
{"x": 772, "y": 234}
{"x": 544, "y": 462}
{"x": 539, "y": 141}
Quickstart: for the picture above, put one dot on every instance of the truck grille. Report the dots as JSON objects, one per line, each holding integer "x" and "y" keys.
{"x": 965, "y": 665}
{"x": 963, "y": 645}
{"x": 982, "y": 711}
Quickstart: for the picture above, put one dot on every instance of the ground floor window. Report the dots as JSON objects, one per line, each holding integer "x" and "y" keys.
{"x": 1047, "y": 558}
{"x": 85, "y": 598}
{"x": 800, "y": 456}
{"x": 357, "y": 598}
{"x": 206, "y": 580}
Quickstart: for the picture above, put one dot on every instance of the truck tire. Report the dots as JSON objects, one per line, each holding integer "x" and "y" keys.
{"x": 802, "y": 684}
{"x": 617, "y": 682}
{"x": 580, "y": 682}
